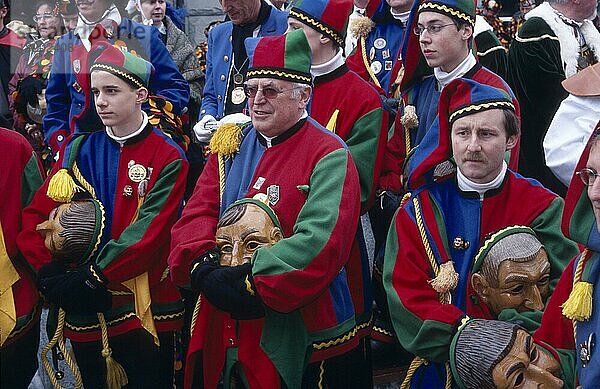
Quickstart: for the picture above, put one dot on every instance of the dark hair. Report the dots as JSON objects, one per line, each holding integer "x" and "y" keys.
{"x": 511, "y": 123}
{"x": 232, "y": 215}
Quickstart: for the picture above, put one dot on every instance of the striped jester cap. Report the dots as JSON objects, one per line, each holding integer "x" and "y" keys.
{"x": 130, "y": 68}
{"x": 477, "y": 347}
{"x": 329, "y": 17}
{"x": 286, "y": 57}
{"x": 461, "y": 97}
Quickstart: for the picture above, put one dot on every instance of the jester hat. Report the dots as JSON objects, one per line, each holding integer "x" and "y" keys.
{"x": 462, "y": 97}
{"x": 329, "y": 17}
{"x": 130, "y": 68}
{"x": 286, "y": 57}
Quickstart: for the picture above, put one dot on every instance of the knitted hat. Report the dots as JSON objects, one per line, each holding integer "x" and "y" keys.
{"x": 134, "y": 70}
{"x": 329, "y": 17}
{"x": 286, "y": 57}
{"x": 510, "y": 243}
{"x": 476, "y": 349}
{"x": 462, "y": 97}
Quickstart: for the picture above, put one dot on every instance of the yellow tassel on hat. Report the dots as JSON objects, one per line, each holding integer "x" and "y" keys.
{"x": 361, "y": 27}
{"x": 579, "y": 304}
{"x": 226, "y": 140}
{"x": 61, "y": 187}
{"x": 446, "y": 279}
{"x": 410, "y": 118}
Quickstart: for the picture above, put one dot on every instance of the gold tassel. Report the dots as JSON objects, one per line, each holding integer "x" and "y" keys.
{"x": 446, "y": 279}
{"x": 579, "y": 304}
{"x": 226, "y": 140}
{"x": 116, "y": 377}
{"x": 61, "y": 187}
{"x": 361, "y": 27}
{"x": 410, "y": 118}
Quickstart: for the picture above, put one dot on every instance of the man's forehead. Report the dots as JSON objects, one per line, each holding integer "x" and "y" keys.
{"x": 268, "y": 82}
{"x": 431, "y": 17}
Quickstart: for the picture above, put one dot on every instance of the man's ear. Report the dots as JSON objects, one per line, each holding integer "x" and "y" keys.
{"x": 324, "y": 40}
{"x": 305, "y": 95}
{"x": 141, "y": 95}
{"x": 480, "y": 285}
{"x": 467, "y": 31}
{"x": 512, "y": 141}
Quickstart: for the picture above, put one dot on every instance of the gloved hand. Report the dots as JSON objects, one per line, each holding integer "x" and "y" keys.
{"x": 202, "y": 267}
{"x": 29, "y": 88}
{"x": 202, "y": 131}
{"x": 80, "y": 291}
{"x": 231, "y": 289}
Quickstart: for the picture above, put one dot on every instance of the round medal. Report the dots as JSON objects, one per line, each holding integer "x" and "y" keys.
{"x": 376, "y": 67}
{"x": 238, "y": 79}
{"x": 237, "y": 95}
{"x": 379, "y": 43}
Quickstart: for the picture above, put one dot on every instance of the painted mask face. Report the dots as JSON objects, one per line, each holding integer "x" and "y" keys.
{"x": 51, "y": 229}
{"x": 239, "y": 240}
{"x": 523, "y": 286}
{"x": 526, "y": 366}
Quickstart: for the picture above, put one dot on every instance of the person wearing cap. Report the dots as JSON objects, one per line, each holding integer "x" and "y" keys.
{"x": 308, "y": 284}
{"x": 120, "y": 305}
{"x": 19, "y": 300}
{"x": 227, "y": 61}
{"x": 439, "y": 228}
{"x": 510, "y": 278}
{"x": 570, "y": 323}
{"x": 69, "y": 14}
{"x": 557, "y": 40}
{"x": 69, "y": 99}
{"x": 379, "y": 40}
{"x": 580, "y": 113}
{"x": 437, "y": 51}
{"x": 11, "y": 47}
{"x": 491, "y": 354}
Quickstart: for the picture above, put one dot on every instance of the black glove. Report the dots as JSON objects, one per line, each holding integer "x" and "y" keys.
{"x": 202, "y": 266}
{"x": 80, "y": 291}
{"x": 29, "y": 88}
{"x": 231, "y": 289}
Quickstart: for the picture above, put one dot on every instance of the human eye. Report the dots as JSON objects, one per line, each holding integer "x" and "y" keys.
{"x": 434, "y": 29}
{"x": 270, "y": 91}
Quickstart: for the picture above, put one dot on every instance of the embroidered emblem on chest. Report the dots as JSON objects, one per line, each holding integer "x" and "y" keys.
{"x": 77, "y": 66}
{"x": 273, "y": 194}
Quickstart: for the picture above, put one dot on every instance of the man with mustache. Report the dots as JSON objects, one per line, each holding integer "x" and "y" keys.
{"x": 438, "y": 229}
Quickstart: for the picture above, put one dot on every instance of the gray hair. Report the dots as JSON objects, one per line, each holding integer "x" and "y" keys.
{"x": 298, "y": 88}
{"x": 479, "y": 347}
{"x": 520, "y": 247}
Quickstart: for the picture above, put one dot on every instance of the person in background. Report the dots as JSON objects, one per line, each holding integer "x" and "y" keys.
{"x": 27, "y": 87}
{"x": 68, "y": 12}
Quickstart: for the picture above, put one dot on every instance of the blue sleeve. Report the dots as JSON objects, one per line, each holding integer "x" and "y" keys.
{"x": 58, "y": 96}
{"x": 167, "y": 81}
{"x": 209, "y": 98}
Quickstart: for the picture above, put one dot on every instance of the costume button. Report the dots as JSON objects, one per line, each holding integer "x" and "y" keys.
{"x": 203, "y": 112}
{"x": 79, "y": 105}
{"x": 226, "y": 58}
{"x": 231, "y": 342}
{"x": 219, "y": 97}
{"x": 60, "y": 138}
{"x": 222, "y": 77}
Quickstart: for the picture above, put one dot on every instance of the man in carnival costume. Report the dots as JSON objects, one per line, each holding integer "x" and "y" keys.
{"x": 121, "y": 294}
{"x": 439, "y": 228}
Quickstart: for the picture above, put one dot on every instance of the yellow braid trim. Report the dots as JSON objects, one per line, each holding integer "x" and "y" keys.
{"x": 226, "y": 140}
{"x": 61, "y": 187}
{"x": 579, "y": 304}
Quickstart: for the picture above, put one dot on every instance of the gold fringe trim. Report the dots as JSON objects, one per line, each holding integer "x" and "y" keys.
{"x": 318, "y": 25}
{"x": 226, "y": 140}
{"x": 444, "y": 8}
{"x": 480, "y": 107}
{"x": 61, "y": 187}
{"x": 579, "y": 304}
{"x": 343, "y": 338}
{"x": 268, "y": 73}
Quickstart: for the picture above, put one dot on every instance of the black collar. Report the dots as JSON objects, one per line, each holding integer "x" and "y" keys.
{"x": 138, "y": 138}
{"x": 341, "y": 70}
{"x": 283, "y": 137}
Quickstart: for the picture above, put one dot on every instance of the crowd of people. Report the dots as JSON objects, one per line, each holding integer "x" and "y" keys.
{"x": 200, "y": 215}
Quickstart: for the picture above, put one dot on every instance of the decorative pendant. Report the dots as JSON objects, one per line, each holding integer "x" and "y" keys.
{"x": 585, "y": 350}
{"x": 460, "y": 243}
{"x": 137, "y": 172}
{"x": 237, "y": 95}
{"x": 238, "y": 79}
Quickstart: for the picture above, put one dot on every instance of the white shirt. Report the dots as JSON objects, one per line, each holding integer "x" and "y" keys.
{"x": 84, "y": 28}
{"x": 459, "y": 71}
{"x": 329, "y": 66}
{"x": 571, "y": 128}
{"x": 467, "y": 185}
{"x": 122, "y": 139}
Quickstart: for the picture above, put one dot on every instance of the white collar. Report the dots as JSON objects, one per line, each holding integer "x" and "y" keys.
{"x": 329, "y": 66}
{"x": 84, "y": 29}
{"x": 467, "y": 185}
{"x": 162, "y": 28}
{"x": 402, "y": 16}
{"x": 459, "y": 71}
{"x": 122, "y": 139}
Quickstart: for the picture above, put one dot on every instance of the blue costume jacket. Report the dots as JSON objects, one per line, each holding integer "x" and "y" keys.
{"x": 69, "y": 111}
{"x": 219, "y": 56}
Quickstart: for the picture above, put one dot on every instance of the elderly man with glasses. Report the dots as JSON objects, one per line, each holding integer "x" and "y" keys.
{"x": 288, "y": 317}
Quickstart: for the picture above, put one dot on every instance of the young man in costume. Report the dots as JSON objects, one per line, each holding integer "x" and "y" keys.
{"x": 556, "y": 41}
{"x": 439, "y": 228}
{"x": 121, "y": 297}
{"x": 570, "y": 322}
{"x": 306, "y": 284}
{"x": 440, "y": 42}
{"x": 69, "y": 99}
{"x": 227, "y": 60}
{"x": 19, "y": 309}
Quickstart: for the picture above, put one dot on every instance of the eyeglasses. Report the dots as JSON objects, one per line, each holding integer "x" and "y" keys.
{"x": 434, "y": 29}
{"x": 268, "y": 92}
{"x": 588, "y": 176}
{"x": 46, "y": 16}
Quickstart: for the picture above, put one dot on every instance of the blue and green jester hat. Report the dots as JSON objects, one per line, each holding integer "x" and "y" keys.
{"x": 462, "y": 97}
{"x": 329, "y": 17}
